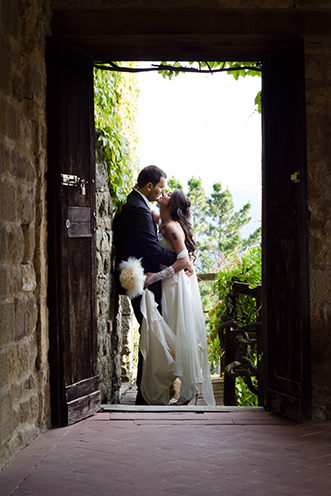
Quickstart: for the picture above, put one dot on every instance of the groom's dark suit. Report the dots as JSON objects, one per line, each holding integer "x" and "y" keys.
{"x": 135, "y": 236}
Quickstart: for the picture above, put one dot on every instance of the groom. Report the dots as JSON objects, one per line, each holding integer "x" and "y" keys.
{"x": 135, "y": 235}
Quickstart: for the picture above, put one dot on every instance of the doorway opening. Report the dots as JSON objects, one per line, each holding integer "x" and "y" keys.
{"x": 72, "y": 294}
{"x": 204, "y": 131}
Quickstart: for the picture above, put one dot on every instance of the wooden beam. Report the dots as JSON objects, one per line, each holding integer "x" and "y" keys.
{"x": 199, "y": 22}
{"x": 183, "y": 34}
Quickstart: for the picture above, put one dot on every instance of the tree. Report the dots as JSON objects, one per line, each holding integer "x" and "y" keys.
{"x": 223, "y": 233}
{"x": 197, "y": 195}
{"x": 172, "y": 184}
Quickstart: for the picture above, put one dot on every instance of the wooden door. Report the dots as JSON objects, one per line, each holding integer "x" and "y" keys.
{"x": 72, "y": 250}
{"x": 286, "y": 319}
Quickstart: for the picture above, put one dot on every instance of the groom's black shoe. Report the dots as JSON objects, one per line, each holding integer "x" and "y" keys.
{"x": 140, "y": 400}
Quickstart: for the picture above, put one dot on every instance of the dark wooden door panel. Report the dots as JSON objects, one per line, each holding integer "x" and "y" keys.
{"x": 286, "y": 320}
{"x": 72, "y": 276}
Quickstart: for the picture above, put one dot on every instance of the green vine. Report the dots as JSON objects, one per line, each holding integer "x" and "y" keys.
{"x": 116, "y": 103}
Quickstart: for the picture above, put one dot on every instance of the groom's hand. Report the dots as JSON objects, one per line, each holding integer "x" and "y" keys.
{"x": 189, "y": 270}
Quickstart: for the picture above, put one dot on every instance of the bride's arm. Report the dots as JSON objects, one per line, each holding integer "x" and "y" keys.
{"x": 175, "y": 235}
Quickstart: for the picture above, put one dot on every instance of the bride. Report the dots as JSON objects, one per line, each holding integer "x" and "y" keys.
{"x": 174, "y": 345}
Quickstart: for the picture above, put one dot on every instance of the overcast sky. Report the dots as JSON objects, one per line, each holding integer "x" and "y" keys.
{"x": 204, "y": 126}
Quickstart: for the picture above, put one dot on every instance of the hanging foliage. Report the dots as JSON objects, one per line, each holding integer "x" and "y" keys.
{"x": 170, "y": 69}
{"x": 116, "y": 107}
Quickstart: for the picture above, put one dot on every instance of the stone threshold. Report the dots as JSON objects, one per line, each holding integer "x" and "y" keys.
{"x": 184, "y": 408}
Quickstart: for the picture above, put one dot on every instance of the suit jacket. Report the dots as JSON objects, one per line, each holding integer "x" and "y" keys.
{"x": 135, "y": 235}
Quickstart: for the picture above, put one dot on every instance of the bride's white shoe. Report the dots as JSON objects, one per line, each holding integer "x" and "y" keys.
{"x": 185, "y": 401}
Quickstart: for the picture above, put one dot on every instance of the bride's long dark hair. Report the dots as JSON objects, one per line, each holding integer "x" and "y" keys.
{"x": 180, "y": 212}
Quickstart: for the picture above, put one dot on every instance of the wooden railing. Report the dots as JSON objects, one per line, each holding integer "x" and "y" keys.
{"x": 236, "y": 342}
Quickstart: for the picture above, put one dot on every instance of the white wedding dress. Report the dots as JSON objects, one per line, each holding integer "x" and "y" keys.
{"x": 174, "y": 345}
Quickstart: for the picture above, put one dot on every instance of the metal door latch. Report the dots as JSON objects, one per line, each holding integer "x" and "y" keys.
{"x": 72, "y": 180}
{"x": 295, "y": 177}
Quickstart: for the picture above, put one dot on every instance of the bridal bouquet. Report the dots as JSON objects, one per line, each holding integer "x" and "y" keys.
{"x": 132, "y": 277}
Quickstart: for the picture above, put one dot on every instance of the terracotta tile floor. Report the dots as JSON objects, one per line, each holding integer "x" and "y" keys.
{"x": 243, "y": 452}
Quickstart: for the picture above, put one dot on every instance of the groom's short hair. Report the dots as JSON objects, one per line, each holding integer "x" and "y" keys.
{"x": 150, "y": 174}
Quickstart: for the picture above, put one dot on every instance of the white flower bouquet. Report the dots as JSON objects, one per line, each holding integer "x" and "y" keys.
{"x": 132, "y": 277}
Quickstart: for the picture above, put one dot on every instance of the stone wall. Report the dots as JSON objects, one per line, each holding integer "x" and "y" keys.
{"x": 24, "y": 386}
{"x": 115, "y": 318}
{"x": 318, "y": 105}
{"x": 105, "y": 289}
{"x": 128, "y": 325}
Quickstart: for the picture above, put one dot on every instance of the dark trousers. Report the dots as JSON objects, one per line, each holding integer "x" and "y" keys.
{"x": 136, "y": 308}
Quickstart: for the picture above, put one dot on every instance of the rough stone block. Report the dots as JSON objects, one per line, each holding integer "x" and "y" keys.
{"x": 15, "y": 244}
{"x": 6, "y": 65}
{"x": 107, "y": 265}
{"x": 320, "y": 206}
{"x": 318, "y": 141}
{"x": 29, "y": 242}
{"x": 9, "y": 17}
{"x": 33, "y": 84}
{"x": 16, "y": 391}
{"x": 30, "y": 171}
{"x": 103, "y": 307}
{"x": 8, "y": 200}
{"x": 15, "y": 280}
{"x": 18, "y": 88}
{"x": 26, "y": 205}
{"x": 31, "y": 109}
{"x": 327, "y": 318}
{"x": 43, "y": 137}
{"x": 24, "y": 412}
{"x": 320, "y": 248}
{"x": 27, "y": 353}
{"x": 315, "y": 68}
{"x": 3, "y": 282}
{"x": 26, "y": 435}
{"x": 16, "y": 165}
{"x": 318, "y": 96}
{"x": 6, "y": 416}
{"x": 4, "y": 369}
{"x": 7, "y": 313}
{"x": 29, "y": 383}
{"x": 126, "y": 305}
{"x": 3, "y": 106}
{"x": 320, "y": 285}
{"x": 33, "y": 408}
{"x": 29, "y": 282}
{"x": 2, "y": 157}
{"x": 317, "y": 319}
{"x": 12, "y": 119}
{"x": 20, "y": 318}
{"x": 14, "y": 370}
{"x": 32, "y": 314}
{"x": 3, "y": 244}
